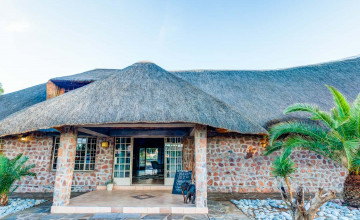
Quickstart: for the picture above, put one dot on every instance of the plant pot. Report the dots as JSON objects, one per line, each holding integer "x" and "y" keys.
{"x": 109, "y": 187}
{"x": 351, "y": 191}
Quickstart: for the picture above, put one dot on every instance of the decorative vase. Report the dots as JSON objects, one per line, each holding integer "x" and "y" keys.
{"x": 109, "y": 187}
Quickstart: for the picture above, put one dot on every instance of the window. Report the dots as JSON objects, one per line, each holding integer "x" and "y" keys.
{"x": 173, "y": 155}
{"x": 55, "y": 152}
{"x": 2, "y": 145}
{"x": 85, "y": 153}
{"x": 122, "y": 157}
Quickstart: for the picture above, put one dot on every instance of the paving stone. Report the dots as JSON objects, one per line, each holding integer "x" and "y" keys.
{"x": 105, "y": 216}
{"x": 77, "y": 216}
{"x": 197, "y": 217}
{"x": 53, "y": 216}
{"x": 128, "y": 216}
{"x": 175, "y": 216}
{"x": 155, "y": 216}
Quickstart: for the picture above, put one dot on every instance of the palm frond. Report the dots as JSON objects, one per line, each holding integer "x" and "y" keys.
{"x": 283, "y": 167}
{"x": 274, "y": 147}
{"x": 356, "y": 161}
{"x": 293, "y": 127}
{"x": 351, "y": 148}
{"x": 339, "y": 140}
{"x": 314, "y": 110}
{"x": 340, "y": 102}
{"x": 12, "y": 170}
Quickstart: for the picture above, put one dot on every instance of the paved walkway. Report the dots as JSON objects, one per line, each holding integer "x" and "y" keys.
{"x": 219, "y": 208}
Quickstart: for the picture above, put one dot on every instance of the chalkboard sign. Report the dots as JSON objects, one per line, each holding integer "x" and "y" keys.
{"x": 180, "y": 177}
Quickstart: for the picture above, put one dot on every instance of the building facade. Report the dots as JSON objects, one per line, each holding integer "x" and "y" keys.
{"x": 137, "y": 126}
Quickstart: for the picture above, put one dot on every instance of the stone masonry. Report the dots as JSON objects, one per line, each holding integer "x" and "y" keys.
{"x": 229, "y": 171}
{"x": 200, "y": 137}
{"x": 39, "y": 151}
{"x": 65, "y": 166}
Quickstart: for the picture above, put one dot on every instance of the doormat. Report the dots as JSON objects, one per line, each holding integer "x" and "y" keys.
{"x": 143, "y": 196}
{"x": 158, "y": 176}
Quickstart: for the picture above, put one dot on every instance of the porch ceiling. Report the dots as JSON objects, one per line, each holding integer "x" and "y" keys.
{"x": 136, "y": 131}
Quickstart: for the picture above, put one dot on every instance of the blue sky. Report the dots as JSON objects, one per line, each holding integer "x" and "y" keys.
{"x": 43, "y": 39}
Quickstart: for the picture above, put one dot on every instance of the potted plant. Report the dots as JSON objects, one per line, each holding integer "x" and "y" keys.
{"x": 110, "y": 185}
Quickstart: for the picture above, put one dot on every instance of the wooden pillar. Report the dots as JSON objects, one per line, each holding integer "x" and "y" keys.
{"x": 65, "y": 166}
{"x": 200, "y": 135}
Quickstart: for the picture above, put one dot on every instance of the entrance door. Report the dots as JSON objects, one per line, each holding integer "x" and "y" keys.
{"x": 148, "y": 161}
{"x": 173, "y": 158}
{"x": 123, "y": 154}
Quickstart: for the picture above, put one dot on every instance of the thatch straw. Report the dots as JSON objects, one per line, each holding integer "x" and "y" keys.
{"x": 142, "y": 92}
{"x": 259, "y": 95}
{"x": 262, "y": 96}
{"x": 16, "y": 101}
{"x": 88, "y": 76}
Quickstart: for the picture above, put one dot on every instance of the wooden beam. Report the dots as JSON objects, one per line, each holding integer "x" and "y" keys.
{"x": 88, "y": 131}
{"x": 132, "y": 132}
{"x": 192, "y": 132}
{"x": 143, "y": 125}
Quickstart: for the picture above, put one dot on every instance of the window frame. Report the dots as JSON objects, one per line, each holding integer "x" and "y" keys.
{"x": 86, "y": 150}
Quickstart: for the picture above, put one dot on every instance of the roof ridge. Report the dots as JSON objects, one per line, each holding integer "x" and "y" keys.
{"x": 142, "y": 92}
{"x": 219, "y": 100}
{"x": 274, "y": 69}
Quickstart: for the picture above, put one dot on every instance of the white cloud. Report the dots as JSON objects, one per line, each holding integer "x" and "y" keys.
{"x": 18, "y": 26}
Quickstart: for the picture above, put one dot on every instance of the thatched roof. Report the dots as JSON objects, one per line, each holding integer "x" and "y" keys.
{"x": 16, "y": 101}
{"x": 143, "y": 92}
{"x": 88, "y": 76}
{"x": 262, "y": 96}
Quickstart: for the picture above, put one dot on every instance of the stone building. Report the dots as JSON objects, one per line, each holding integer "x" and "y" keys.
{"x": 140, "y": 124}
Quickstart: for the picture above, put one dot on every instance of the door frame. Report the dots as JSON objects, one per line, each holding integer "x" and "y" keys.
{"x": 123, "y": 181}
{"x": 129, "y": 181}
{"x": 169, "y": 181}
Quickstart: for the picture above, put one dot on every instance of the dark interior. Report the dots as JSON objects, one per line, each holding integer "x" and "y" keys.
{"x": 148, "y": 161}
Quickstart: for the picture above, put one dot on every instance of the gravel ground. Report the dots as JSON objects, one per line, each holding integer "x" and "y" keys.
{"x": 272, "y": 209}
{"x": 16, "y": 205}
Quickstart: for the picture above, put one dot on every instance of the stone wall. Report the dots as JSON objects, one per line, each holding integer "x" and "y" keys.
{"x": 39, "y": 151}
{"x": 229, "y": 171}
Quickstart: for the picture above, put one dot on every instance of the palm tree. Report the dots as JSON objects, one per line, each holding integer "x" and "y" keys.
{"x": 334, "y": 135}
{"x": 1, "y": 89}
{"x": 283, "y": 167}
{"x": 10, "y": 171}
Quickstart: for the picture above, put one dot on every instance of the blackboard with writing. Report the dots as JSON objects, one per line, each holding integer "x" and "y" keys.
{"x": 180, "y": 177}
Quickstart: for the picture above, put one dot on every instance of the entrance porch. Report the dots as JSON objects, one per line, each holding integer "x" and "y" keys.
{"x": 131, "y": 196}
{"x": 129, "y": 201}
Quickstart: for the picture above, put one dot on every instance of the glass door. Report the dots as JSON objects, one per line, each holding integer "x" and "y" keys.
{"x": 123, "y": 155}
{"x": 173, "y": 158}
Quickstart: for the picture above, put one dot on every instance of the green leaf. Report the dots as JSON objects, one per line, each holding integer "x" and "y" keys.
{"x": 294, "y": 127}
{"x": 314, "y": 110}
{"x": 12, "y": 170}
{"x": 340, "y": 102}
{"x": 274, "y": 147}
{"x": 283, "y": 167}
